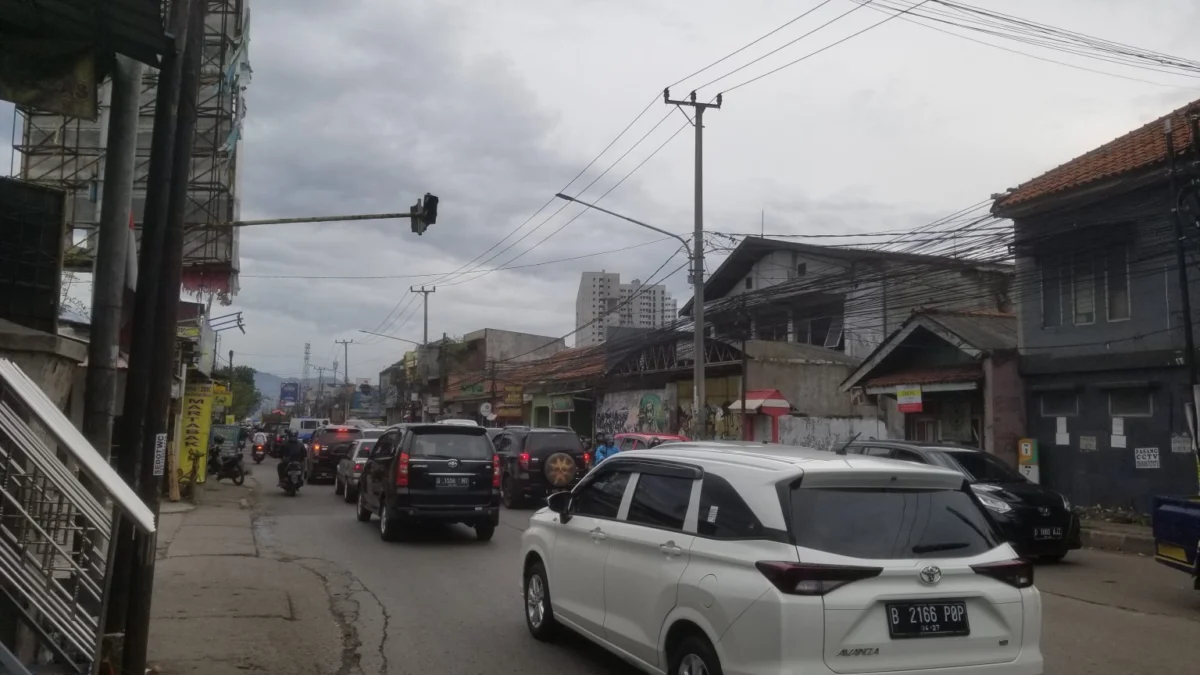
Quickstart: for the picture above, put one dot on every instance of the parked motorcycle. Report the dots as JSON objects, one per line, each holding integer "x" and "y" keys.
{"x": 293, "y": 478}
{"x": 258, "y": 453}
{"x": 225, "y": 463}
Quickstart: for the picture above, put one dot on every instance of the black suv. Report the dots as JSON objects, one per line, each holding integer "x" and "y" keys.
{"x": 1036, "y": 520}
{"x": 329, "y": 446}
{"x": 431, "y": 473}
{"x": 536, "y": 463}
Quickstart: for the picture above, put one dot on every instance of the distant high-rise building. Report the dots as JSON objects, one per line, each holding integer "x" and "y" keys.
{"x": 604, "y": 301}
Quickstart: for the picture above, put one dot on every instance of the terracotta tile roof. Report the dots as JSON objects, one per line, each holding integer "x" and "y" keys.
{"x": 570, "y": 364}
{"x": 964, "y": 373}
{"x": 1136, "y": 151}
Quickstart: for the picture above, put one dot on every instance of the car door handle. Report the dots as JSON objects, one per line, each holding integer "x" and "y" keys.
{"x": 670, "y": 549}
{"x": 598, "y": 535}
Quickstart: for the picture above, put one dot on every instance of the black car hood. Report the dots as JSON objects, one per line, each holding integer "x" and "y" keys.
{"x": 1022, "y": 492}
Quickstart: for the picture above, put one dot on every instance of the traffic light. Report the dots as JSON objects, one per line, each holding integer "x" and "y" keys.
{"x": 429, "y": 209}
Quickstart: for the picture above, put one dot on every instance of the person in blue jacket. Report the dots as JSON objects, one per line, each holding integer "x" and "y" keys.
{"x": 606, "y": 449}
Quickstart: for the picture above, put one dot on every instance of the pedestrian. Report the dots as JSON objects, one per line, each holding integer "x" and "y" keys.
{"x": 607, "y": 448}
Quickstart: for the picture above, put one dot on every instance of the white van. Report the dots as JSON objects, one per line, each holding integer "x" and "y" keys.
{"x": 305, "y": 426}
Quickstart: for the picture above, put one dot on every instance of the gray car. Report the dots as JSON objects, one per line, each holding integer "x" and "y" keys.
{"x": 349, "y": 469}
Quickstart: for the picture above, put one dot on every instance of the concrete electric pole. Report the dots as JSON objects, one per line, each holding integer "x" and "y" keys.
{"x": 425, "y": 302}
{"x": 346, "y": 391}
{"x": 698, "y": 394}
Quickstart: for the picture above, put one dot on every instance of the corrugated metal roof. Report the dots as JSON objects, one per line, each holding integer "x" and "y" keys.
{"x": 985, "y": 331}
{"x": 130, "y": 27}
{"x": 967, "y": 373}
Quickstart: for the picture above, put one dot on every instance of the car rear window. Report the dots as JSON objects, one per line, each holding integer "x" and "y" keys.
{"x": 309, "y": 424}
{"x": 981, "y": 467}
{"x": 564, "y": 441}
{"x": 884, "y": 524}
{"x": 450, "y": 442}
{"x": 329, "y": 437}
{"x": 364, "y": 449}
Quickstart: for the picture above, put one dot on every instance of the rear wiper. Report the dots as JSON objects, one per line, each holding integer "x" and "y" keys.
{"x": 940, "y": 546}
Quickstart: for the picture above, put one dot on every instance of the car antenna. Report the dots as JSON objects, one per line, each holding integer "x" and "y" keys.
{"x": 842, "y": 450}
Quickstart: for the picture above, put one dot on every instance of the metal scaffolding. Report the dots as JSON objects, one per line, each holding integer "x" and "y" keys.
{"x": 67, "y": 153}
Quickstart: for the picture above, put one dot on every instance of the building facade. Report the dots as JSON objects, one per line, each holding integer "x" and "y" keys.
{"x": 603, "y": 302}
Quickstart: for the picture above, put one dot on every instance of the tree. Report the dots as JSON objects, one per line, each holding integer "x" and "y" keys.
{"x": 246, "y": 397}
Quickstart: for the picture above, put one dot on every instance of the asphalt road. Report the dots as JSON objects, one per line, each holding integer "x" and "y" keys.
{"x": 446, "y": 603}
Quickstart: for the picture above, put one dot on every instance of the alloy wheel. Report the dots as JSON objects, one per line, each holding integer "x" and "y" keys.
{"x": 535, "y": 601}
{"x": 692, "y": 664}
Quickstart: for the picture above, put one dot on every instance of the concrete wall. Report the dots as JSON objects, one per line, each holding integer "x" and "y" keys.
{"x": 778, "y": 267}
{"x": 1003, "y": 406}
{"x": 503, "y": 345}
{"x": 640, "y": 410}
{"x": 812, "y": 389}
{"x": 823, "y": 433}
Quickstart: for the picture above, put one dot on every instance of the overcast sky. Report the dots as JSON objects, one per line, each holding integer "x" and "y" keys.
{"x": 361, "y": 106}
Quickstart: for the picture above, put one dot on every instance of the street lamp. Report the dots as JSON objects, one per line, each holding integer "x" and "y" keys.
{"x": 697, "y": 259}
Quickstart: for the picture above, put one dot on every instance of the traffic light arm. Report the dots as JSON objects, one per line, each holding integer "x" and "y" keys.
{"x": 320, "y": 219}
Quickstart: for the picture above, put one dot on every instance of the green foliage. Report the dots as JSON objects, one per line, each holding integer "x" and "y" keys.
{"x": 246, "y": 397}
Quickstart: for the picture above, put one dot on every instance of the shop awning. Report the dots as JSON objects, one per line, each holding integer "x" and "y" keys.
{"x": 762, "y": 400}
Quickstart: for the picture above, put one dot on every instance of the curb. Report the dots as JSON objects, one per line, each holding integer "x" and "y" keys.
{"x": 1115, "y": 541}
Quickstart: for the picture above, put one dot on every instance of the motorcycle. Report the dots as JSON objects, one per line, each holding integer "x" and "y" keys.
{"x": 293, "y": 478}
{"x": 258, "y": 453}
{"x": 225, "y": 464}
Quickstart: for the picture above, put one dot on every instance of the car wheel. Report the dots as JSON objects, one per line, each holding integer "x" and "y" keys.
{"x": 351, "y": 495}
{"x": 511, "y": 493}
{"x": 338, "y": 488}
{"x": 363, "y": 513}
{"x": 539, "y": 613}
{"x": 695, "y": 656}
{"x": 484, "y": 531}
{"x": 389, "y": 529}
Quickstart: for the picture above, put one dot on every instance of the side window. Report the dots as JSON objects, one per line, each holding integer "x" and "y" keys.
{"x": 908, "y": 456}
{"x": 627, "y": 444}
{"x": 723, "y": 512}
{"x": 602, "y": 497}
{"x": 855, "y": 450}
{"x": 878, "y": 452}
{"x": 660, "y": 501}
{"x": 386, "y": 446}
{"x": 502, "y": 442}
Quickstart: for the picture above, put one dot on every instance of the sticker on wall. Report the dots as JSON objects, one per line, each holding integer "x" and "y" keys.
{"x": 1145, "y": 458}
{"x": 1061, "y": 437}
{"x": 1087, "y": 443}
{"x": 1181, "y": 443}
{"x": 1118, "y": 426}
{"x": 1117, "y": 441}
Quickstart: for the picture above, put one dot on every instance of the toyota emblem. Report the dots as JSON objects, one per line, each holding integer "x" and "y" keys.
{"x": 1043, "y": 510}
{"x": 453, "y": 464}
{"x": 931, "y": 574}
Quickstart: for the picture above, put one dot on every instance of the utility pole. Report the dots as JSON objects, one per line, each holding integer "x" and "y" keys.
{"x": 743, "y": 333}
{"x": 108, "y": 284}
{"x": 1189, "y": 342}
{"x": 699, "y": 401}
{"x": 425, "y": 302}
{"x": 320, "y": 391}
{"x": 346, "y": 391}
{"x": 304, "y": 378}
{"x": 161, "y": 298}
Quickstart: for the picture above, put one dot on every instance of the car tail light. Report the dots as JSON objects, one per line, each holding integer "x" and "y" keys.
{"x": 496, "y": 470}
{"x": 402, "y": 470}
{"x": 811, "y": 579}
{"x": 1015, "y": 573}
{"x": 523, "y": 460}
{"x": 316, "y": 447}
{"x": 587, "y": 460}
{"x": 358, "y": 466}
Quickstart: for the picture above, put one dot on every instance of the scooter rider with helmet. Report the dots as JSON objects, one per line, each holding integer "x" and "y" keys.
{"x": 293, "y": 451}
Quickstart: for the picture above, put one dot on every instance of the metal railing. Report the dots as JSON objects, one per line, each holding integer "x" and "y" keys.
{"x": 54, "y": 530}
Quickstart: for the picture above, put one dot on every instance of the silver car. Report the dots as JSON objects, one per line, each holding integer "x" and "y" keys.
{"x": 349, "y": 469}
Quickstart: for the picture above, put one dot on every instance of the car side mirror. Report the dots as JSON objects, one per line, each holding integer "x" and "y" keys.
{"x": 559, "y": 502}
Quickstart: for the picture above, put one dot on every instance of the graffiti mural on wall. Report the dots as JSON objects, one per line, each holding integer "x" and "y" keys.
{"x": 720, "y": 425}
{"x": 642, "y": 411}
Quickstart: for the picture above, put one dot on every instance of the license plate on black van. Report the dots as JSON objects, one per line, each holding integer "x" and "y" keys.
{"x": 927, "y": 619}
{"x": 452, "y": 481}
{"x": 1047, "y": 533}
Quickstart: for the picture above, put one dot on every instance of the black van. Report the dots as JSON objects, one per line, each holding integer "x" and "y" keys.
{"x": 431, "y": 473}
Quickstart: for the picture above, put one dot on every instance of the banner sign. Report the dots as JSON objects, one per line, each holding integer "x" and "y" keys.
{"x": 909, "y": 398}
{"x": 197, "y": 420}
{"x": 289, "y": 393}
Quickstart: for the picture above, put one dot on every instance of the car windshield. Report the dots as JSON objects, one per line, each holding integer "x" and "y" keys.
{"x": 980, "y": 467}
{"x": 451, "y": 442}
{"x": 364, "y": 449}
{"x": 889, "y": 524}
{"x": 563, "y": 441}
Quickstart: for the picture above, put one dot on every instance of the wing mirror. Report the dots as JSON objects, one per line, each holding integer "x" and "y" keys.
{"x": 560, "y": 502}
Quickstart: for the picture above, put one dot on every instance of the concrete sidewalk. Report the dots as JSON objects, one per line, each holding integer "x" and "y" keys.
{"x": 221, "y": 608}
{"x": 1122, "y": 537}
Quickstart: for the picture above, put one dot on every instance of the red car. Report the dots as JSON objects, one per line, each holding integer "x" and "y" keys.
{"x": 641, "y": 441}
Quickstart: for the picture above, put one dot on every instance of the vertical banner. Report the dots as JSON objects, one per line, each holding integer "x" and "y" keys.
{"x": 197, "y": 421}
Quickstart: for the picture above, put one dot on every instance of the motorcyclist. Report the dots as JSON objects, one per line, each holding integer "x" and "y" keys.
{"x": 293, "y": 451}
{"x": 606, "y": 449}
{"x": 260, "y": 438}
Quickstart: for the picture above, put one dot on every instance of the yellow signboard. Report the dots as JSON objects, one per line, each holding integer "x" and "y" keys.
{"x": 197, "y": 421}
{"x": 222, "y": 396}
{"x": 230, "y": 419}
